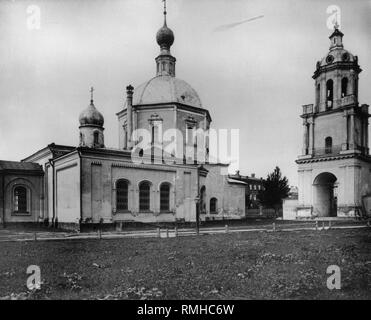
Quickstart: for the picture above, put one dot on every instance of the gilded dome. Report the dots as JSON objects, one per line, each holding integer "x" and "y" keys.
{"x": 91, "y": 116}
{"x": 166, "y": 89}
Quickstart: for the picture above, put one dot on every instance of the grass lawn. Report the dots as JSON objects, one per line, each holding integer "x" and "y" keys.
{"x": 250, "y": 265}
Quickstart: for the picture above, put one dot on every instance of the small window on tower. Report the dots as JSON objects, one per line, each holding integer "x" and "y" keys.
{"x": 318, "y": 94}
{"x": 344, "y": 87}
{"x": 96, "y": 137}
{"x": 328, "y": 145}
{"x": 330, "y": 93}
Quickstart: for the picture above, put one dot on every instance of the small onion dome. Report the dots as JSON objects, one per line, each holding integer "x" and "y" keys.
{"x": 91, "y": 116}
{"x": 165, "y": 37}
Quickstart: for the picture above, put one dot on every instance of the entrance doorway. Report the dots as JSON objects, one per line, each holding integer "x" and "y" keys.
{"x": 325, "y": 195}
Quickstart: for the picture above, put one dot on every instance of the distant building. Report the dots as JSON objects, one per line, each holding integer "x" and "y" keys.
{"x": 252, "y": 188}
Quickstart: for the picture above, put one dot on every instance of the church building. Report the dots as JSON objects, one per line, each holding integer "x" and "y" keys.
{"x": 69, "y": 186}
{"x": 335, "y": 165}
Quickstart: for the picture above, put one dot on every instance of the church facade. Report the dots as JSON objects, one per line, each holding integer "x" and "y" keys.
{"x": 89, "y": 184}
{"x": 335, "y": 166}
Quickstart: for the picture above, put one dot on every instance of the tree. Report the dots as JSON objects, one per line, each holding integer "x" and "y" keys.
{"x": 275, "y": 189}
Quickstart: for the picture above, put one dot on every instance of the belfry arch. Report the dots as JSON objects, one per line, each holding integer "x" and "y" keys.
{"x": 325, "y": 195}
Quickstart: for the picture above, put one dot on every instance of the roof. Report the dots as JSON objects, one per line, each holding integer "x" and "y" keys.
{"x": 56, "y": 150}
{"x": 336, "y": 32}
{"x": 166, "y": 89}
{"x": 245, "y": 178}
{"x": 91, "y": 116}
{"x": 17, "y": 166}
{"x": 337, "y": 54}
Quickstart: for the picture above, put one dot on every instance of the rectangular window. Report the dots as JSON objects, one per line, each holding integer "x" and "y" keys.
{"x": 122, "y": 195}
{"x": 165, "y": 198}
{"x": 144, "y": 197}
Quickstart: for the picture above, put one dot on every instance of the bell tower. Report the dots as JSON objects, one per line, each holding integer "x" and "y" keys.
{"x": 335, "y": 123}
{"x": 334, "y": 167}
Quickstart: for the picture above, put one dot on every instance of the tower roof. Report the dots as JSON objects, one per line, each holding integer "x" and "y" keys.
{"x": 337, "y": 53}
{"x": 165, "y": 37}
{"x": 91, "y": 116}
{"x": 336, "y": 32}
{"x": 165, "y": 88}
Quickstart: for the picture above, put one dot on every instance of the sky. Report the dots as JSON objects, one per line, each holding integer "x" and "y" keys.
{"x": 254, "y": 76}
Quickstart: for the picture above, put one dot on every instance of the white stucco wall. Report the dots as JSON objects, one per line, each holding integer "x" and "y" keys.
{"x": 68, "y": 192}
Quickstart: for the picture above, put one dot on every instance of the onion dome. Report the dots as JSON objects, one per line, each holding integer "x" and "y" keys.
{"x": 91, "y": 116}
{"x": 165, "y": 37}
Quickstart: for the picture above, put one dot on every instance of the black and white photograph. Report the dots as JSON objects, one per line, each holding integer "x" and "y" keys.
{"x": 204, "y": 152}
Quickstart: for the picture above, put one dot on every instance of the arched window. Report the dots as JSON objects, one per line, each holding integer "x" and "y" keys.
{"x": 330, "y": 93}
{"x": 213, "y": 205}
{"x": 20, "y": 199}
{"x": 328, "y": 145}
{"x": 96, "y": 137}
{"x": 122, "y": 195}
{"x": 144, "y": 196}
{"x": 165, "y": 197}
{"x": 344, "y": 87}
